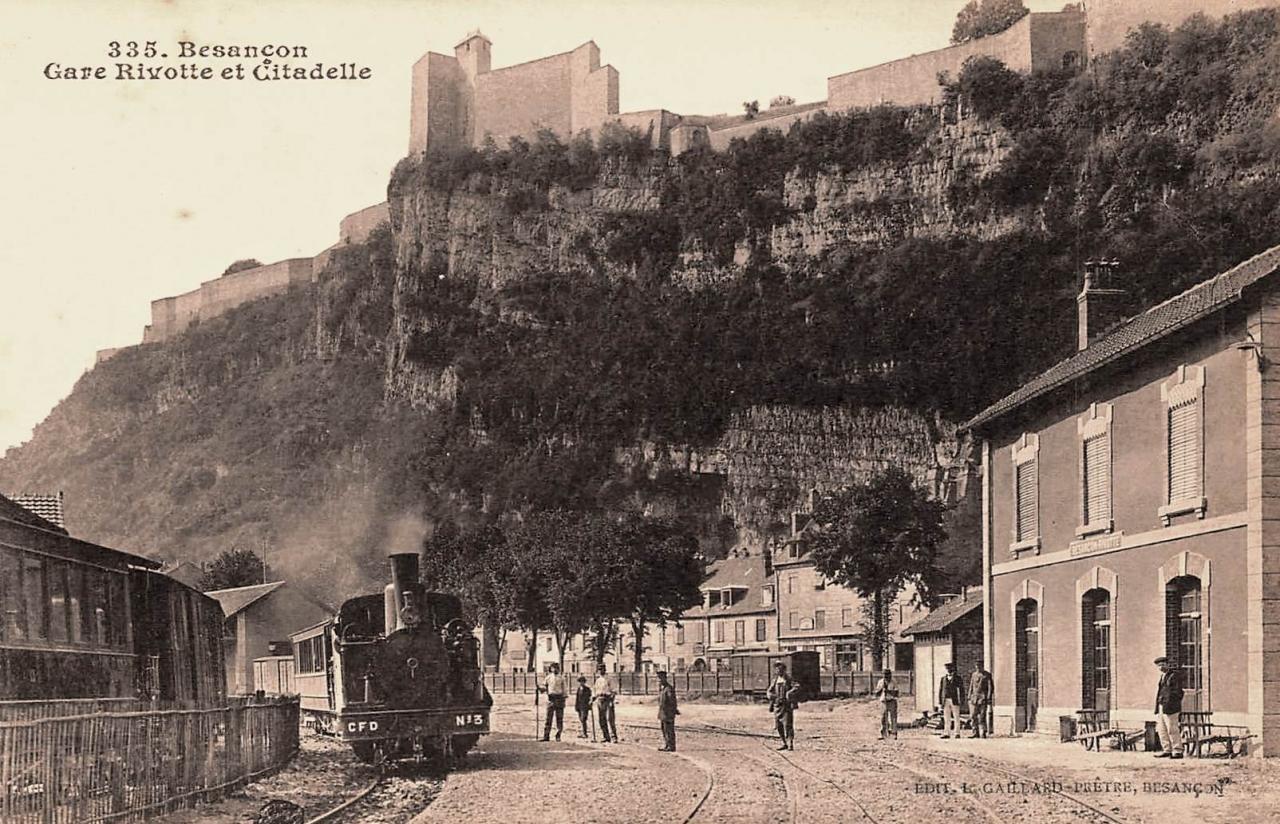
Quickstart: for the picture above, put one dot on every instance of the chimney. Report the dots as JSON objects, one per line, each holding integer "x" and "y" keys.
{"x": 1101, "y": 302}
{"x": 404, "y": 578}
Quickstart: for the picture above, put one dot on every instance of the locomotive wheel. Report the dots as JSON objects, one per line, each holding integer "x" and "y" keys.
{"x": 462, "y": 744}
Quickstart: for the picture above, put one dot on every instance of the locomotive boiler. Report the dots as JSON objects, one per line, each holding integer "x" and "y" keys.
{"x": 396, "y": 675}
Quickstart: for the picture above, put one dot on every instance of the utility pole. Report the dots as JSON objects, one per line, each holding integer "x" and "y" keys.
{"x": 264, "y": 560}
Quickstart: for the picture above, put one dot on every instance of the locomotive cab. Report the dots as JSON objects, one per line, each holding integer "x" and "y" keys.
{"x": 404, "y": 673}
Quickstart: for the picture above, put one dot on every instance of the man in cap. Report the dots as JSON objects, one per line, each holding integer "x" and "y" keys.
{"x": 1169, "y": 708}
{"x": 980, "y": 689}
{"x": 667, "y": 712}
{"x": 555, "y": 689}
{"x": 604, "y": 705}
{"x": 951, "y": 699}
{"x": 782, "y": 694}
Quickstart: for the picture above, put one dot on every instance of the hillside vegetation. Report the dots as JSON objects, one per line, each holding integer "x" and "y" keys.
{"x": 429, "y": 380}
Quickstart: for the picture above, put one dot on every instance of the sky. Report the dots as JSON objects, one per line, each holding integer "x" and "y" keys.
{"x": 114, "y": 192}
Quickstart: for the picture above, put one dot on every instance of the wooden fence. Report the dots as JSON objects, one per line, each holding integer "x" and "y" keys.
{"x": 127, "y": 766}
{"x": 836, "y": 684}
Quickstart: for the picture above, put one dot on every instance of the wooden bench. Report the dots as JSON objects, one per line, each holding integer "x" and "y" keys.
{"x": 1199, "y": 734}
{"x": 1094, "y": 726}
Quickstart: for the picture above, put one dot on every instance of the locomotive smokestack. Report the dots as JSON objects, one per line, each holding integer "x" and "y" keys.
{"x": 404, "y": 570}
{"x": 404, "y": 578}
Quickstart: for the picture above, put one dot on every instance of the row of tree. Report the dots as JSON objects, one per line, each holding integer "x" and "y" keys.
{"x": 570, "y": 572}
{"x": 585, "y": 572}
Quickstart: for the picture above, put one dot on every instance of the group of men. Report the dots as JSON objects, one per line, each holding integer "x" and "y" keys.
{"x": 951, "y": 697}
{"x": 601, "y": 693}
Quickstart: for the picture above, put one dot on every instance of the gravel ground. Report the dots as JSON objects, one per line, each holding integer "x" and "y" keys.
{"x": 729, "y": 771}
{"x": 322, "y": 776}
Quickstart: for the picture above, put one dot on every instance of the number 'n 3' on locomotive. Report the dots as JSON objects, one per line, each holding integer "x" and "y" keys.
{"x": 395, "y": 675}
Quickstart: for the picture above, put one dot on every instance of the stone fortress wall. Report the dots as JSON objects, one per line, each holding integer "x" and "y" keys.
{"x": 1111, "y": 20}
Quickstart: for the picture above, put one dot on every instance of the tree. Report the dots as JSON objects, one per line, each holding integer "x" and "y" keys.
{"x": 241, "y": 265}
{"x": 660, "y": 579}
{"x": 234, "y": 568}
{"x": 980, "y": 18}
{"x": 751, "y": 108}
{"x": 474, "y": 566}
{"x": 876, "y": 539}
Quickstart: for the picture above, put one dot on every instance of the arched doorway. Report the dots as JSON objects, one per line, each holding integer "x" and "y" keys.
{"x": 1096, "y": 664}
{"x": 1184, "y": 637}
{"x": 1026, "y": 664}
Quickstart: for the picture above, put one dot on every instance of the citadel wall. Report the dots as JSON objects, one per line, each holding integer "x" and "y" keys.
{"x": 1109, "y": 21}
{"x": 520, "y": 100}
{"x": 1036, "y": 41}
{"x": 173, "y": 315}
{"x": 440, "y": 112}
{"x": 357, "y": 226}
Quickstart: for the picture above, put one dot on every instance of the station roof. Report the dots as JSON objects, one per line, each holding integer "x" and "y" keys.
{"x": 941, "y": 619}
{"x": 1158, "y": 322}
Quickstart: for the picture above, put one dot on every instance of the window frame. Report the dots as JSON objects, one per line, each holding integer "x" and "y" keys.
{"x": 1185, "y": 387}
{"x": 1093, "y": 425}
{"x": 1024, "y": 451}
{"x": 762, "y": 630}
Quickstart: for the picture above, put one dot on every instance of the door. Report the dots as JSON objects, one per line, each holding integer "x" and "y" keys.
{"x": 1027, "y": 665}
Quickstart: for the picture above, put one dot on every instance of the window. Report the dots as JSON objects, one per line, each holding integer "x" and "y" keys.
{"x": 791, "y": 584}
{"x": 1095, "y": 609}
{"x": 719, "y": 632}
{"x": 1184, "y": 443}
{"x": 762, "y": 630}
{"x": 546, "y": 644}
{"x": 739, "y": 633}
{"x": 726, "y": 597}
{"x": 818, "y": 581}
{"x": 846, "y": 617}
{"x": 34, "y": 597}
{"x": 662, "y": 640}
{"x": 1094, "y": 428}
{"x": 117, "y": 611}
{"x": 1184, "y": 635}
{"x": 80, "y": 628}
{"x": 766, "y": 595}
{"x": 1026, "y": 493}
{"x": 820, "y": 619}
{"x": 304, "y": 655}
{"x": 12, "y": 615}
{"x": 57, "y": 589}
{"x": 848, "y": 657}
{"x": 679, "y": 635}
{"x": 793, "y": 620}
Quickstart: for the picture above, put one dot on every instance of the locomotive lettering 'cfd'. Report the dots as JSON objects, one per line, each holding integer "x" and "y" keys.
{"x": 396, "y": 675}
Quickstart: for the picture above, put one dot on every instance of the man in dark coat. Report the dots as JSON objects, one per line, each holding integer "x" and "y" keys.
{"x": 979, "y": 700}
{"x": 667, "y": 712}
{"x": 582, "y": 704}
{"x": 1169, "y": 708}
{"x": 782, "y": 694}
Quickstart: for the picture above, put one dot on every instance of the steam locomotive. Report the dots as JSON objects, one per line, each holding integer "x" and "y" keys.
{"x": 395, "y": 675}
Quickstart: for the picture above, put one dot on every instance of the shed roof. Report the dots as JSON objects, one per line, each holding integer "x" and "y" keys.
{"x": 736, "y": 572}
{"x": 22, "y": 528}
{"x": 237, "y": 599}
{"x": 1157, "y": 322}
{"x": 944, "y": 616}
{"x": 48, "y": 507}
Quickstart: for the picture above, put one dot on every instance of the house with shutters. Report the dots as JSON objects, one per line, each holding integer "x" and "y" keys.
{"x": 1132, "y": 510}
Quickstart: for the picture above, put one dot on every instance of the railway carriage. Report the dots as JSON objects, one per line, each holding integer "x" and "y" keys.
{"x": 395, "y": 675}
{"x": 753, "y": 671}
{"x": 83, "y": 621}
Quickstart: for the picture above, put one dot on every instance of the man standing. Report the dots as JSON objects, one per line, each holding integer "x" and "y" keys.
{"x": 782, "y": 695}
{"x": 1168, "y": 708}
{"x": 887, "y": 692}
{"x": 555, "y": 689}
{"x": 582, "y": 704}
{"x": 667, "y": 712}
{"x": 979, "y": 700}
{"x": 604, "y": 706}
{"x": 951, "y": 699}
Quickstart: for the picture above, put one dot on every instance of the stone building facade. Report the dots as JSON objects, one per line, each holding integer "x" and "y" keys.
{"x": 1132, "y": 510}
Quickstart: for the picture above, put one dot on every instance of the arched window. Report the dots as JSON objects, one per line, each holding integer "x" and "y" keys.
{"x": 1096, "y": 656}
{"x": 1184, "y": 635}
{"x": 1027, "y": 652}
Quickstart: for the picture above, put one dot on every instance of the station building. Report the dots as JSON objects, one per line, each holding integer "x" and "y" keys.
{"x": 1131, "y": 509}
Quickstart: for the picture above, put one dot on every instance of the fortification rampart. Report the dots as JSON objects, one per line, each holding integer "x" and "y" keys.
{"x": 1109, "y": 21}
{"x": 173, "y": 315}
{"x": 357, "y": 226}
{"x": 1037, "y": 41}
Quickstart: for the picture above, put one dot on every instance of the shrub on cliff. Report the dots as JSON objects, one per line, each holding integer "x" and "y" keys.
{"x": 980, "y": 18}
{"x": 242, "y": 265}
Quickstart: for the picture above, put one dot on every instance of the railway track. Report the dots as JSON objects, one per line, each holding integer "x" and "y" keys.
{"x": 971, "y": 762}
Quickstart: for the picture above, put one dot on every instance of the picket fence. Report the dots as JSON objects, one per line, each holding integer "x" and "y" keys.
{"x": 127, "y": 766}
{"x": 833, "y": 684}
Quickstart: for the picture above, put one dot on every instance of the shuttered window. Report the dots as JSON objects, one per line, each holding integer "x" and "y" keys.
{"x": 1097, "y": 479}
{"x": 1028, "y": 510}
{"x": 1185, "y": 482}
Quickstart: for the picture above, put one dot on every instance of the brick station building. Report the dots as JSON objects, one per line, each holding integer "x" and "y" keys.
{"x": 1131, "y": 509}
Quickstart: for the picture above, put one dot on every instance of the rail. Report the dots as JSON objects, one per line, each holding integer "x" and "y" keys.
{"x": 128, "y": 766}
{"x": 838, "y": 684}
